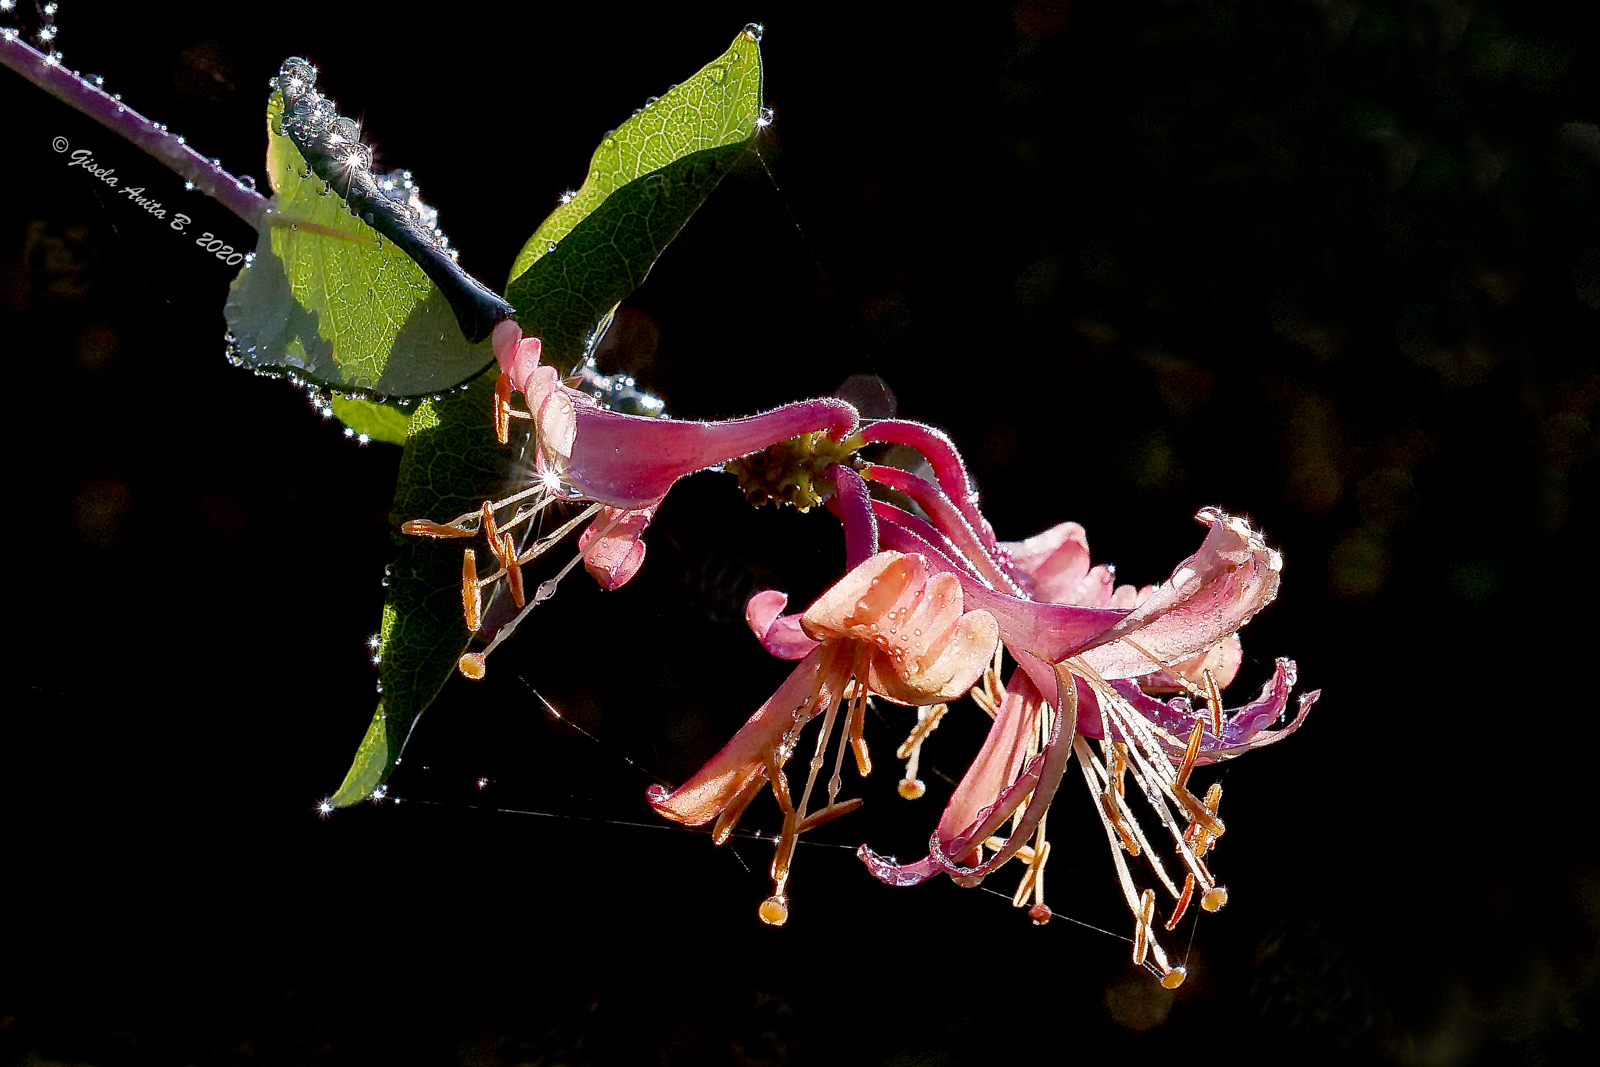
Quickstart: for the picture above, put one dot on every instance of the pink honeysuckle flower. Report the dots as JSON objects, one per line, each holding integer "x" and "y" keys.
{"x": 623, "y": 464}
{"x": 895, "y": 629}
{"x": 1095, "y": 651}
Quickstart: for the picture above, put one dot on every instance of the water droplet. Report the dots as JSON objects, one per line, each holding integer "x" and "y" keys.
{"x": 764, "y": 117}
{"x": 755, "y": 30}
{"x": 551, "y": 247}
{"x": 248, "y": 182}
{"x": 718, "y": 74}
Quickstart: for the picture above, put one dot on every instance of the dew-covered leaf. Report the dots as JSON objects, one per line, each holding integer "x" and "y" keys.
{"x": 451, "y": 464}
{"x": 645, "y": 181}
{"x": 646, "y": 178}
{"x": 380, "y": 422}
{"x": 329, "y": 299}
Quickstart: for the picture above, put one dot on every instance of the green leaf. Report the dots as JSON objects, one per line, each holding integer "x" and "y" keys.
{"x": 451, "y": 464}
{"x": 645, "y": 180}
{"x": 644, "y": 183}
{"x": 380, "y": 422}
{"x": 328, "y": 299}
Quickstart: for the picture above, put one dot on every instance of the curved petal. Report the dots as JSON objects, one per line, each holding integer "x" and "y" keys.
{"x": 852, "y": 503}
{"x": 629, "y": 461}
{"x": 1212, "y": 594}
{"x": 1057, "y": 561}
{"x": 1242, "y": 728}
{"x": 778, "y": 633}
{"x": 613, "y": 545}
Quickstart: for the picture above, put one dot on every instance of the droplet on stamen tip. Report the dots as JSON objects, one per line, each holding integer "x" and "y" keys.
{"x": 1214, "y": 898}
{"x": 1040, "y": 914}
{"x": 472, "y": 665}
{"x": 774, "y": 911}
{"x": 1174, "y": 978}
{"x": 912, "y": 788}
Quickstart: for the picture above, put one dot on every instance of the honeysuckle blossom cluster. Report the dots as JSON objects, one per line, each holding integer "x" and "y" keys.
{"x": 1125, "y": 682}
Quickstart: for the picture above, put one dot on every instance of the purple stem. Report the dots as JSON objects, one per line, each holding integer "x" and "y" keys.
{"x": 72, "y": 90}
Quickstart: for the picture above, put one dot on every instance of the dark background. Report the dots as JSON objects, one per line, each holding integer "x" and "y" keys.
{"x": 1332, "y": 265}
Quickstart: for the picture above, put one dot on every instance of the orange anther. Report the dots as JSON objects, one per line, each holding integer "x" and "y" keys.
{"x": 1108, "y": 801}
{"x": 828, "y": 814}
{"x": 502, "y": 409}
{"x": 428, "y": 528}
{"x": 1191, "y": 753}
{"x": 486, "y": 524}
{"x": 471, "y": 597}
{"x": 1215, "y": 700}
{"x": 1141, "y": 926}
{"x": 1183, "y": 901}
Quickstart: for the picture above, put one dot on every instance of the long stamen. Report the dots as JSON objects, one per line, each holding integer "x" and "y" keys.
{"x": 472, "y": 663}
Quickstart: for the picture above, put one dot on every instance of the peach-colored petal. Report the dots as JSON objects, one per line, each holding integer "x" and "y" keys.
{"x": 926, "y": 647}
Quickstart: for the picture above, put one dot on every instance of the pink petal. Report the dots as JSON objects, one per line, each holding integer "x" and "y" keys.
{"x": 1212, "y": 594}
{"x": 778, "y": 633}
{"x": 615, "y": 555}
{"x": 1057, "y": 562}
{"x": 630, "y": 461}
{"x": 999, "y": 761}
{"x": 1221, "y": 659}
